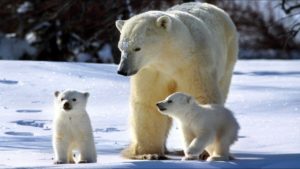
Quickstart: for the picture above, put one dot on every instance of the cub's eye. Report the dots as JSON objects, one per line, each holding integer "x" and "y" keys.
{"x": 169, "y": 101}
{"x": 62, "y": 99}
{"x": 137, "y": 49}
{"x": 74, "y": 100}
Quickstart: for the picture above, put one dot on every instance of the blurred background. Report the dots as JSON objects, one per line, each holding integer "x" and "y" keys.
{"x": 84, "y": 30}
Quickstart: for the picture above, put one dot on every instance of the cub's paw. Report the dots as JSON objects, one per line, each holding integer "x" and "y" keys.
{"x": 204, "y": 155}
{"x": 59, "y": 162}
{"x": 83, "y": 161}
{"x": 87, "y": 161}
{"x": 218, "y": 158}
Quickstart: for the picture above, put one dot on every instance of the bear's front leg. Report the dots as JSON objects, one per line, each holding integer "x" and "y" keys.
{"x": 149, "y": 128}
{"x": 61, "y": 149}
{"x": 149, "y": 133}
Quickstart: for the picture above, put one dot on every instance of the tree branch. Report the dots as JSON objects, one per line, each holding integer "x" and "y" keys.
{"x": 288, "y": 10}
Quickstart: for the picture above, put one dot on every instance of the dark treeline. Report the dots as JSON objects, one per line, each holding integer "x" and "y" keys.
{"x": 77, "y": 30}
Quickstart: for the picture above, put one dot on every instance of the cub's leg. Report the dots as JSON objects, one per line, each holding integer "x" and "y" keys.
{"x": 71, "y": 154}
{"x": 221, "y": 151}
{"x": 61, "y": 148}
{"x": 87, "y": 151}
{"x": 196, "y": 147}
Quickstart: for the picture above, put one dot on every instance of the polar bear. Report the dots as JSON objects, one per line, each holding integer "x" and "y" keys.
{"x": 72, "y": 128}
{"x": 189, "y": 48}
{"x": 209, "y": 127}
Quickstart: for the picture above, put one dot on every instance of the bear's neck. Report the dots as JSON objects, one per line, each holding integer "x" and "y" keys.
{"x": 72, "y": 113}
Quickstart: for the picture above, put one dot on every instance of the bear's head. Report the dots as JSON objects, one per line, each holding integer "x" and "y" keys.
{"x": 175, "y": 104}
{"x": 71, "y": 100}
{"x": 143, "y": 38}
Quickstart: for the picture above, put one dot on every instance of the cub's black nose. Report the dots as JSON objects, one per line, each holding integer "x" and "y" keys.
{"x": 160, "y": 107}
{"x": 67, "y": 106}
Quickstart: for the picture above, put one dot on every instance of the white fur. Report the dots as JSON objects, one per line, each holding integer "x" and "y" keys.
{"x": 208, "y": 127}
{"x": 189, "y": 48}
{"x": 72, "y": 129}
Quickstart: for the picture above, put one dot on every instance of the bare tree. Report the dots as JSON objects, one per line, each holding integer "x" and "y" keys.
{"x": 89, "y": 20}
{"x": 90, "y": 24}
{"x": 288, "y": 6}
{"x": 292, "y": 8}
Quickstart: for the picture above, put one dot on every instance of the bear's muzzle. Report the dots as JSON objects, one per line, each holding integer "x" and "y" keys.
{"x": 67, "y": 106}
{"x": 161, "y": 107}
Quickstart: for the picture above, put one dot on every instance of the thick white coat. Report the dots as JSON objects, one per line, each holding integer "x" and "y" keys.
{"x": 189, "y": 48}
{"x": 209, "y": 127}
{"x": 72, "y": 129}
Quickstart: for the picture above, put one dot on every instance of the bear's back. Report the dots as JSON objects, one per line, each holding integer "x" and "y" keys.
{"x": 212, "y": 16}
{"x": 203, "y": 11}
{"x": 223, "y": 115}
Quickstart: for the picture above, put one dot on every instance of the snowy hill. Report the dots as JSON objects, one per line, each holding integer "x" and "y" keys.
{"x": 265, "y": 96}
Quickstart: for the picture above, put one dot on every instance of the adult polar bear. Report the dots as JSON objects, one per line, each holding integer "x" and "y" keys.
{"x": 190, "y": 48}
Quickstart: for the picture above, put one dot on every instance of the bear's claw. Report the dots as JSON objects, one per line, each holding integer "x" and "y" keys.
{"x": 203, "y": 156}
{"x": 153, "y": 157}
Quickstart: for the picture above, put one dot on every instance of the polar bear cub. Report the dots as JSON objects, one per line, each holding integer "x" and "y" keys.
{"x": 204, "y": 127}
{"x": 72, "y": 128}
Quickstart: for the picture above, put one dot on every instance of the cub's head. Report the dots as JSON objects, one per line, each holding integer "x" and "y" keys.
{"x": 175, "y": 104}
{"x": 71, "y": 100}
{"x": 142, "y": 39}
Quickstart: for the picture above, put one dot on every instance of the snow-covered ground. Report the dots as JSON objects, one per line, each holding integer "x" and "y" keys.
{"x": 265, "y": 96}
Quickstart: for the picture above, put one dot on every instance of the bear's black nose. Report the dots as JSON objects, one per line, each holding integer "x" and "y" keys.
{"x": 120, "y": 72}
{"x": 67, "y": 106}
{"x": 160, "y": 107}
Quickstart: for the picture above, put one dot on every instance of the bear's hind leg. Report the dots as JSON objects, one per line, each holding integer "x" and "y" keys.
{"x": 71, "y": 154}
{"x": 87, "y": 152}
{"x": 230, "y": 62}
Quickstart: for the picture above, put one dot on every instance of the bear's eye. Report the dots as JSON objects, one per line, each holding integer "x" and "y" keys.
{"x": 62, "y": 99}
{"x": 74, "y": 100}
{"x": 137, "y": 49}
{"x": 169, "y": 101}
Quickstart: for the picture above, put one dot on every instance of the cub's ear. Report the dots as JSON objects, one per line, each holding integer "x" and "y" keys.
{"x": 119, "y": 24}
{"x": 189, "y": 99}
{"x": 164, "y": 22}
{"x": 56, "y": 93}
{"x": 86, "y": 94}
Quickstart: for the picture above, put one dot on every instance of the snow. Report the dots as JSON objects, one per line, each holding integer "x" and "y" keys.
{"x": 83, "y": 57}
{"x": 32, "y": 38}
{"x": 25, "y": 7}
{"x": 12, "y": 48}
{"x": 264, "y": 97}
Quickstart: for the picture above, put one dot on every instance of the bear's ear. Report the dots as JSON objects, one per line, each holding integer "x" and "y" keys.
{"x": 164, "y": 22}
{"x": 188, "y": 99}
{"x": 56, "y": 93}
{"x": 119, "y": 24}
{"x": 86, "y": 94}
